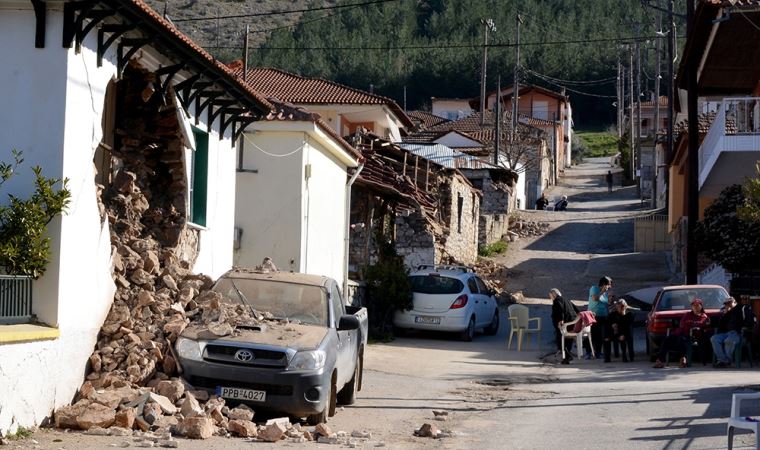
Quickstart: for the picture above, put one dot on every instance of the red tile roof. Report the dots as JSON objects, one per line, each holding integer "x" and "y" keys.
{"x": 151, "y": 16}
{"x": 426, "y": 119}
{"x": 288, "y": 112}
{"x": 292, "y": 88}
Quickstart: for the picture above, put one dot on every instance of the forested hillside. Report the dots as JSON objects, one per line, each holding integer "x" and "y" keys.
{"x": 434, "y": 47}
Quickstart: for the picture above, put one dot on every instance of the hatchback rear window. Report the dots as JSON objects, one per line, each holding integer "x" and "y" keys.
{"x": 434, "y": 284}
{"x": 681, "y": 299}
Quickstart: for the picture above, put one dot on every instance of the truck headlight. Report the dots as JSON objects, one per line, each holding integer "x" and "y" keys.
{"x": 309, "y": 360}
{"x": 189, "y": 349}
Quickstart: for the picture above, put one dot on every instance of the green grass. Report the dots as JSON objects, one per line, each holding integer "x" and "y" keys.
{"x": 492, "y": 249}
{"x": 21, "y": 433}
{"x": 597, "y": 144}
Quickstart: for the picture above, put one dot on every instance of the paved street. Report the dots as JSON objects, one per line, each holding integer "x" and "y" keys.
{"x": 508, "y": 399}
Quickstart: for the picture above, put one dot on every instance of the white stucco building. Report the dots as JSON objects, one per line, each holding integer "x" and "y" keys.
{"x": 59, "y": 110}
{"x": 292, "y": 186}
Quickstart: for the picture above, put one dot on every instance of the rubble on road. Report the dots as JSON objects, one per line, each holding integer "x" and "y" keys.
{"x": 525, "y": 228}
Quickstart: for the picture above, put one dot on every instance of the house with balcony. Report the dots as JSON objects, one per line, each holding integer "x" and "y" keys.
{"x": 723, "y": 46}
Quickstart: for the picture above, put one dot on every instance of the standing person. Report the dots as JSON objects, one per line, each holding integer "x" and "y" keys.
{"x": 730, "y": 325}
{"x": 598, "y": 303}
{"x": 542, "y": 202}
{"x": 562, "y": 311}
{"x": 679, "y": 338}
{"x": 608, "y": 177}
{"x": 621, "y": 320}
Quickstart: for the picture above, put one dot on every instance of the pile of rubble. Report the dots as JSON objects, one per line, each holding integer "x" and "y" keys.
{"x": 526, "y": 228}
{"x": 493, "y": 274}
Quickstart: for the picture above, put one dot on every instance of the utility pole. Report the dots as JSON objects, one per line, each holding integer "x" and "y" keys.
{"x": 487, "y": 25}
{"x": 404, "y": 98}
{"x": 693, "y": 159}
{"x": 245, "y": 54}
{"x": 657, "y": 49}
{"x": 671, "y": 86}
{"x": 497, "y": 124}
{"x": 631, "y": 116}
{"x": 516, "y": 84}
{"x": 638, "y": 105}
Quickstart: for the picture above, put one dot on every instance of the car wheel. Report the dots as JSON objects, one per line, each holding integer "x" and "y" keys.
{"x": 469, "y": 332}
{"x": 347, "y": 395}
{"x": 493, "y": 328}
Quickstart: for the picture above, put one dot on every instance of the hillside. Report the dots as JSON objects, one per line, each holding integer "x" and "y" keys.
{"x": 434, "y": 47}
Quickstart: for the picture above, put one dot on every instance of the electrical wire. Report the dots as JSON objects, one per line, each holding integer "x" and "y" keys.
{"x": 290, "y": 11}
{"x": 273, "y": 155}
{"x": 585, "y": 82}
{"x": 588, "y": 94}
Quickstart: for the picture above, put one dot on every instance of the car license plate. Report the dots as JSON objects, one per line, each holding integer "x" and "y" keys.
{"x": 241, "y": 394}
{"x": 428, "y": 320}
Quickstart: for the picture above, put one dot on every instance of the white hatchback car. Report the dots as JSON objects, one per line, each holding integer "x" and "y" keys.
{"x": 451, "y": 299}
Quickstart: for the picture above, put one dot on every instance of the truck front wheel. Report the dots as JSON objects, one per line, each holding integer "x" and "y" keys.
{"x": 347, "y": 395}
{"x": 322, "y": 416}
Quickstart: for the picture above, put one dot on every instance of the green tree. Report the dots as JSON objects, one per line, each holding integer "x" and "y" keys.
{"x": 727, "y": 238}
{"x": 24, "y": 248}
{"x": 750, "y": 211}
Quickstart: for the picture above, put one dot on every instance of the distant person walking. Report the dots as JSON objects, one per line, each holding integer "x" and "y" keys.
{"x": 609, "y": 181}
{"x": 542, "y": 202}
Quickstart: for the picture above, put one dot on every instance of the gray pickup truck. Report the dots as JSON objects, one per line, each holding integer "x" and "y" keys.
{"x": 295, "y": 348}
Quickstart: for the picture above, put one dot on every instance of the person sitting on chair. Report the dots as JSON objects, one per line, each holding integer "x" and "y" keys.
{"x": 561, "y": 204}
{"x": 679, "y": 338}
{"x": 562, "y": 311}
{"x": 730, "y": 325}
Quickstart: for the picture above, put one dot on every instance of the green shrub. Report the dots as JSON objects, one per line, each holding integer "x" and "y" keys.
{"x": 24, "y": 248}
{"x": 388, "y": 289}
{"x": 492, "y": 249}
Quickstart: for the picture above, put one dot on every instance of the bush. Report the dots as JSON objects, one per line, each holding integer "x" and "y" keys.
{"x": 24, "y": 248}
{"x": 388, "y": 289}
{"x": 492, "y": 249}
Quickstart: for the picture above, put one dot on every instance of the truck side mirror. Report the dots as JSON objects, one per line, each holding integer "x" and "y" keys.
{"x": 348, "y": 322}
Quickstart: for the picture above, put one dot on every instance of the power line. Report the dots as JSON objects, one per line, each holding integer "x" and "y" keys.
{"x": 289, "y": 11}
{"x": 588, "y": 94}
{"x": 452, "y": 46}
{"x": 585, "y": 82}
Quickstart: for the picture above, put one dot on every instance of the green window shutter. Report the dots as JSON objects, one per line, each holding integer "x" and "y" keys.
{"x": 199, "y": 183}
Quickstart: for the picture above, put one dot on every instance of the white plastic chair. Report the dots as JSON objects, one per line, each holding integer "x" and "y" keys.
{"x": 737, "y": 421}
{"x": 567, "y": 332}
{"x": 520, "y": 324}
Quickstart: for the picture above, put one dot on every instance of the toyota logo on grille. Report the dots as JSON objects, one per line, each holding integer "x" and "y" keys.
{"x": 244, "y": 355}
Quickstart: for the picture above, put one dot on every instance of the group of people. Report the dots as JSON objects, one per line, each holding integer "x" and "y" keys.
{"x": 612, "y": 327}
{"x": 559, "y": 205}
{"x": 611, "y": 322}
{"x": 734, "y": 320}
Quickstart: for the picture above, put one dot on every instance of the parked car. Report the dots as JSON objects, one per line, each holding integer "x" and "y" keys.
{"x": 671, "y": 303}
{"x": 305, "y": 354}
{"x": 452, "y": 299}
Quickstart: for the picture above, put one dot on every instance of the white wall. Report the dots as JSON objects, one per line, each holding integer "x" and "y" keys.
{"x": 268, "y": 203}
{"x": 520, "y": 191}
{"x": 456, "y": 140}
{"x": 451, "y": 108}
{"x": 325, "y": 213}
{"x": 52, "y": 105}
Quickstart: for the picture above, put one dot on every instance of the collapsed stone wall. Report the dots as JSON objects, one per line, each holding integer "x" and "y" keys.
{"x": 460, "y": 242}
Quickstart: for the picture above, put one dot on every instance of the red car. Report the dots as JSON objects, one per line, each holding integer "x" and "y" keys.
{"x": 672, "y": 302}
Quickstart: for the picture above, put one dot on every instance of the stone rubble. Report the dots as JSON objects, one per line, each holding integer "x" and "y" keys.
{"x": 526, "y": 228}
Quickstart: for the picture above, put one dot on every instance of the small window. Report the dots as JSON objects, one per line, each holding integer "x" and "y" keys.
{"x": 198, "y": 179}
{"x": 481, "y": 286}
{"x": 460, "y": 205}
{"x": 473, "y": 285}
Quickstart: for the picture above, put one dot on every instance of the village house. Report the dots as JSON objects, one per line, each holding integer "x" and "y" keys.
{"x": 451, "y": 108}
{"x": 430, "y": 211}
{"x": 729, "y": 93}
{"x": 653, "y": 158}
{"x": 143, "y": 123}
{"x": 292, "y": 193}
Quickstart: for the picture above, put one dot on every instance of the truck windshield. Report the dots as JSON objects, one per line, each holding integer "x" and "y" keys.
{"x": 292, "y": 301}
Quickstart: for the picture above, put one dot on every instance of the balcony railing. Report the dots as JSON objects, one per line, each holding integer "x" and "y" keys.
{"x": 734, "y": 117}
{"x": 15, "y": 299}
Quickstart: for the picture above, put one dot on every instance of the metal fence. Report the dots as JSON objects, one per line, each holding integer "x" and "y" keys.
{"x": 15, "y": 299}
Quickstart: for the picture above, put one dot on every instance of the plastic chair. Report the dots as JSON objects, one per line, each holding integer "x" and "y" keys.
{"x": 737, "y": 421}
{"x": 520, "y": 325}
{"x": 567, "y": 332}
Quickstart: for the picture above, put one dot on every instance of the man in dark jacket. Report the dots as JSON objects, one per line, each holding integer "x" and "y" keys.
{"x": 734, "y": 319}
{"x": 563, "y": 311}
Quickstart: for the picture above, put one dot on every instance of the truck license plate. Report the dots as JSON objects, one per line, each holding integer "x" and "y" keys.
{"x": 427, "y": 319}
{"x": 241, "y": 394}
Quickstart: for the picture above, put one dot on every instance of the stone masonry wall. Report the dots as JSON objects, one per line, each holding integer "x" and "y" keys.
{"x": 461, "y": 241}
{"x": 415, "y": 241}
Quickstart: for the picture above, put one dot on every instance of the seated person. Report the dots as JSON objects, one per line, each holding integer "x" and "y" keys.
{"x": 561, "y": 204}
{"x": 732, "y": 321}
{"x": 679, "y": 338}
{"x": 621, "y": 319}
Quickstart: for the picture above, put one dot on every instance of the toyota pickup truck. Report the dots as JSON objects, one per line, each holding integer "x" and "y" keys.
{"x": 294, "y": 347}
